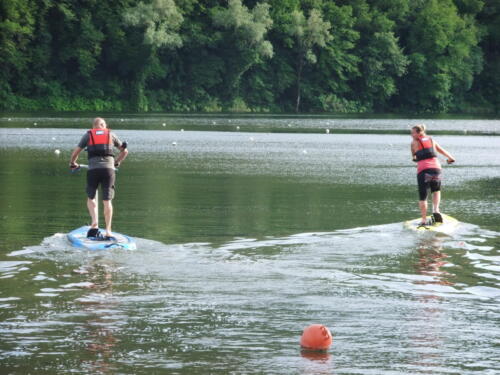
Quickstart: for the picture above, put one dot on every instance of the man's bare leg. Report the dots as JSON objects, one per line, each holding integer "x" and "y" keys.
{"x": 108, "y": 216}
{"x": 93, "y": 211}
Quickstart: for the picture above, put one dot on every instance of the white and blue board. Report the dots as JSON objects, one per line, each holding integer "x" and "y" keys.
{"x": 78, "y": 238}
{"x": 449, "y": 225}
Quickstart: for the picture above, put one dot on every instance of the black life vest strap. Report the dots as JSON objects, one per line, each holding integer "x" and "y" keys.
{"x": 425, "y": 152}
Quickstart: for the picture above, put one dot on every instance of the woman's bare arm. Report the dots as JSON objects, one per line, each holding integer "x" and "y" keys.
{"x": 413, "y": 148}
{"x": 442, "y": 151}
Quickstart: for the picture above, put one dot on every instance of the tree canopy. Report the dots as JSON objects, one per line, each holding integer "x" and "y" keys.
{"x": 250, "y": 55}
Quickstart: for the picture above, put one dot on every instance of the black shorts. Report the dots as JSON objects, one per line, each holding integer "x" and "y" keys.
{"x": 428, "y": 179}
{"x": 104, "y": 177}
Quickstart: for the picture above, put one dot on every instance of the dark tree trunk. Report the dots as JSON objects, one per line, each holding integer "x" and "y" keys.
{"x": 299, "y": 78}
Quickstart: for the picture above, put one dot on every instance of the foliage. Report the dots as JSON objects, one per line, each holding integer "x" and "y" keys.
{"x": 160, "y": 19}
{"x": 444, "y": 58}
{"x": 250, "y": 55}
{"x": 307, "y": 34}
{"x": 242, "y": 42}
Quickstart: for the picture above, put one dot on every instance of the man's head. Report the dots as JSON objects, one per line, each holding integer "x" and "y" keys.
{"x": 418, "y": 131}
{"x": 99, "y": 123}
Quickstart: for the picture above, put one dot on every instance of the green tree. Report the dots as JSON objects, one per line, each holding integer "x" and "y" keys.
{"x": 444, "y": 57}
{"x": 242, "y": 41}
{"x": 382, "y": 58}
{"x": 308, "y": 35}
{"x": 486, "y": 90}
{"x": 383, "y": 62}
{"x": 329, "y": 85}
{"x": 16, "y": 32}
{"x": 279, "y": 55}
{"x": 159, "y": 22}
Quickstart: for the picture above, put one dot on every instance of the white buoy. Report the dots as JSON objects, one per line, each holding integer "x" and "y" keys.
{"x": 214, "y": 123}
{"x": 163, "y": 124}
{"x": 304, "y": 152}
{"x": 57, "y": 152}
{"x": 182, "y": 130}
{"x": 251, "y": 139}
{"x": 237, "y": 128}
{"x": 53, "y": 138}
{"x": 35, "y": 124}
{"x": 122, "y": 120}
{"x": 327, "y": 131}
{"x": 174, "y": 143}
{"x": 9, "y": 119}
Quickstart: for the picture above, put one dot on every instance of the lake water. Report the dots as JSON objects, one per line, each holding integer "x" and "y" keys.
{"x": 248, "y": 231}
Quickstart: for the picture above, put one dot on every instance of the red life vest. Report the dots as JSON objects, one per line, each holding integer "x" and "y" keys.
{"x": 425, "y": 149}
{"x": 100, "y": 143}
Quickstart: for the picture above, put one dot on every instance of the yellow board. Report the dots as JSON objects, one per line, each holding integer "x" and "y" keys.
{"x": 448, "y": 225}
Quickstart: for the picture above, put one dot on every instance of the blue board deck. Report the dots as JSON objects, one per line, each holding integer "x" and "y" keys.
{"x": 78, "y": 238}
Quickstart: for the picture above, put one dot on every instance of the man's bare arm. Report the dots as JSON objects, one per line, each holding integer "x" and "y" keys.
{"x": 74, "y": 157}
{"x": 121, "y": 156}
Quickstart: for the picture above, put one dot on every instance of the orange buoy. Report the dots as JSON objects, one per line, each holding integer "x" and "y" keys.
{"x": 316, "y": 337}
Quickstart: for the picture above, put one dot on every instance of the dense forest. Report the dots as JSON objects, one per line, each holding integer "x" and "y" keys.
{"x": 250, "y": 55}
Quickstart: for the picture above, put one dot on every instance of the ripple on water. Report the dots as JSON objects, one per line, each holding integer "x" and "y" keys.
{"x": 382, "y": 290}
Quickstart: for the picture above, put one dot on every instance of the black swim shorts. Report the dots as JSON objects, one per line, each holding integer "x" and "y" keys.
{"x": 104, "y": 177}
{"x": 428, "y": 179}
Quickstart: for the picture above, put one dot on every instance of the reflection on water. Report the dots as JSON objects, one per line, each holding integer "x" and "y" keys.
{"x": 431, "y": 261}
{"x": 426, "y": 336}
{"x": 320, "y": 363}
{"x": 167, "y": 305}
{"x": 102, "y": 322}
{"x": 241, "y": 244}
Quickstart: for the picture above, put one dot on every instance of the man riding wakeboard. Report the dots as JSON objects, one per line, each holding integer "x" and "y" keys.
{"x": 99, "y": 142}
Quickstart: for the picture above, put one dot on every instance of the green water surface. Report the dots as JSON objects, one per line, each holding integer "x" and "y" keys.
{"x": 243, "y": 240}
